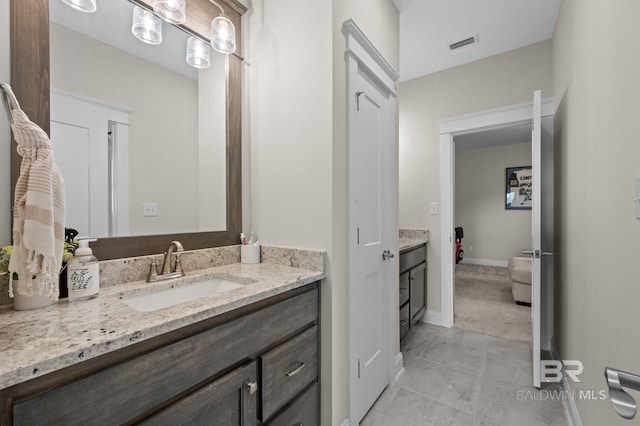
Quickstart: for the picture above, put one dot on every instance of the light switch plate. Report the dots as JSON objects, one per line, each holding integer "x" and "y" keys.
{"x": 433, "y": 208}
{"x": 150, "y": 209}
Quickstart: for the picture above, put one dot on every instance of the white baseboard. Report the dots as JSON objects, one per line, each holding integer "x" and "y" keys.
{"x": 570, "y": 409}
{"x": 432, "y": 317}
{"x": 345, "y": 423}
{"x": 399, "y": 366}
{"x": 485, "y": 262}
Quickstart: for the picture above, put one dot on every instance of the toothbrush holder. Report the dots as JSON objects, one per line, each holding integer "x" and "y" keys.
{"x": 250, "y": 254}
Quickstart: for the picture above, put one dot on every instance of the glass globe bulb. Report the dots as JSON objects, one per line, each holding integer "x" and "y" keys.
{"x": 146, "y": 26}
{"x": 223, "y": 35}
{"x": 172, "y": 11}
{"x": 88, "y": 6}
{"x": 198, "y": 53}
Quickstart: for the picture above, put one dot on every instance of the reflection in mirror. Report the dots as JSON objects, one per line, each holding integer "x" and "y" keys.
{"x": 140, "y": 135}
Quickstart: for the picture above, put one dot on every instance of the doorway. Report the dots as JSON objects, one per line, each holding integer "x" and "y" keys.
{"x": 542, "y": 212}
{"x": 90, "y": 140}
{"x": 494, "y": 229}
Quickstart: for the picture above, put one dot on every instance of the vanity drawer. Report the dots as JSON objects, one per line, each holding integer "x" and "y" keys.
{"x": 403, "y": 288}
{"x": 288, "y": 369}
{"x": 413, "y": 258}
{"x": 303, "y": 411}
{"x": 128, "y": 389}
{"x": 404, "y": 320}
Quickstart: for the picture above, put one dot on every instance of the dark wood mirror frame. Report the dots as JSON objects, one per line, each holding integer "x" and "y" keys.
{"x": 31, "y": 85}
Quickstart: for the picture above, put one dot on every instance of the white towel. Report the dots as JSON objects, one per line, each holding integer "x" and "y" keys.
{"x": 38, "y": 210}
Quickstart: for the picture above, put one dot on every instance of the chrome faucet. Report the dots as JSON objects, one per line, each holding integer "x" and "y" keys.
{"x": 167, "y": 270}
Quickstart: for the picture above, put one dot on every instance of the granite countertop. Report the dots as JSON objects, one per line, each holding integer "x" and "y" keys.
{"x": 405, "y": 244}
{"x": 411, "y": 238}
{"x": 34, "y": 343}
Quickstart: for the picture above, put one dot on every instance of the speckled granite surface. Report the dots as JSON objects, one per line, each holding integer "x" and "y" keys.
{"x": 304, "y": 259}
{"x": 410, "y": 238}
{"x": 34, "y": 343}
{"x": 119, "y": 271}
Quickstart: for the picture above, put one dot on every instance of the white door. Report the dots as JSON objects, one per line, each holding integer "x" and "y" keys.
{"x": 542, "y": 236}
{"x": 95, "y": 173}
{"x": 70, "y": 144}
{"x": 369, "y": 303}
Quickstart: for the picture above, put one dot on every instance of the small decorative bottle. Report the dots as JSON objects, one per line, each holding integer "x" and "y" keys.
{"x": 83, "y": 273}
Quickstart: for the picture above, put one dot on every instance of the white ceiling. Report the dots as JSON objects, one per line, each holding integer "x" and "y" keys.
{"x": 428, "y": 27}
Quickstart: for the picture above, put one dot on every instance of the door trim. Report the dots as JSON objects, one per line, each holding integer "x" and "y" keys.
{"x": 468, "y": 123}
{"x": 360, "y": 53}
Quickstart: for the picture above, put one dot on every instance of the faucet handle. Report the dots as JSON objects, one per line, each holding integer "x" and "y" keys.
{"x": 153, "y": 271}
{"x": 178, "y": 266}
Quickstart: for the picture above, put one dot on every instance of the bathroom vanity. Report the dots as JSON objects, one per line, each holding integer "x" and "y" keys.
{"x": 412, "y": 285}
{"x": 248, "y": 356}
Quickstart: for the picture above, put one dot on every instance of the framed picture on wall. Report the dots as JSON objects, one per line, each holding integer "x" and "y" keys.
{"x": 518, "y": 188}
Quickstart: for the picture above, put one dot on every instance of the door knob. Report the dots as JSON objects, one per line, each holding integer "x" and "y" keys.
{"x": 387, "y": 255}
{"x": 536, "y": 253}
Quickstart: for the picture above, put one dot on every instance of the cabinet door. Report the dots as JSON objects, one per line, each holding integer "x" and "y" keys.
{"x": 229, "y": 400}
{"x": 417, "y": 278}
{"x": 404, "y": 321}
{"x": 403, "y": 289}
{"x": 304, "y": 411}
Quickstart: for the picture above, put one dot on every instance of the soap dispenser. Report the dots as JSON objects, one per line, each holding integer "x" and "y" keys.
{"x": 83, "y": 273}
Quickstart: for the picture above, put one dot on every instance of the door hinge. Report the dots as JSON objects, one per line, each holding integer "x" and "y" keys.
{"x": 358, "y": 368}
{"x": 358, "y": 100}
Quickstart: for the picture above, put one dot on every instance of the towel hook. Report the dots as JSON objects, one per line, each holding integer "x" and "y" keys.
{"x": 9, "y": 99}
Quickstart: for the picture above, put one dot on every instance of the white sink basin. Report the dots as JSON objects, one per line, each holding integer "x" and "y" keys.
{"x": 174, "y": 296}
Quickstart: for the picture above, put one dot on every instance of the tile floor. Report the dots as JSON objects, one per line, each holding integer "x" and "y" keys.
{"x": 460, "y": 377}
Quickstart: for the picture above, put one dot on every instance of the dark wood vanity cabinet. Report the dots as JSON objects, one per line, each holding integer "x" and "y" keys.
{"x": 255, "y": 365}
{"x": 412, "y": 287}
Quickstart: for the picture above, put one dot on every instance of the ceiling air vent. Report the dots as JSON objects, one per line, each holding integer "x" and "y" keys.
{"x": 462, "y": 43}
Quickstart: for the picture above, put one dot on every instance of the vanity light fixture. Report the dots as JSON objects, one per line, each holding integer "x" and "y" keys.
{"x": 198, "y": 52}
{"x": 88, "y": 6}
{"x": 146, "y": 26}
{"x": 223, "y": 32}
{"x": 172, "y": 11}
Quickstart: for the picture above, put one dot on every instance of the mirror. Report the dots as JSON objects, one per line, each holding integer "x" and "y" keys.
{"x": 30, "y": 81}
{"x": 137, "y": 132}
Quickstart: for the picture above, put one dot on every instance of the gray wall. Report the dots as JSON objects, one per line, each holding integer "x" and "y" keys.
{"x": 491, "y": 232}
{"x": 596, "y": 91}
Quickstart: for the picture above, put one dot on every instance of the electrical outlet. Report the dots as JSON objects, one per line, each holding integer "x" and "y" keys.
{"x": 470, "y": 248}
{"x": 433, "y": 208}
{"x": 150, "y": 209}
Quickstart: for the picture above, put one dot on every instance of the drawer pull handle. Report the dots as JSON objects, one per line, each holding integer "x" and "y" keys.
{"x": 296, "y": 371}
{"x": 403, "y": 323}
{"x": 252, "y": 387}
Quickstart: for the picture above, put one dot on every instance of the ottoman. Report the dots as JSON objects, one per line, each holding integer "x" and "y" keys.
{"x": 520, "y": 274}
